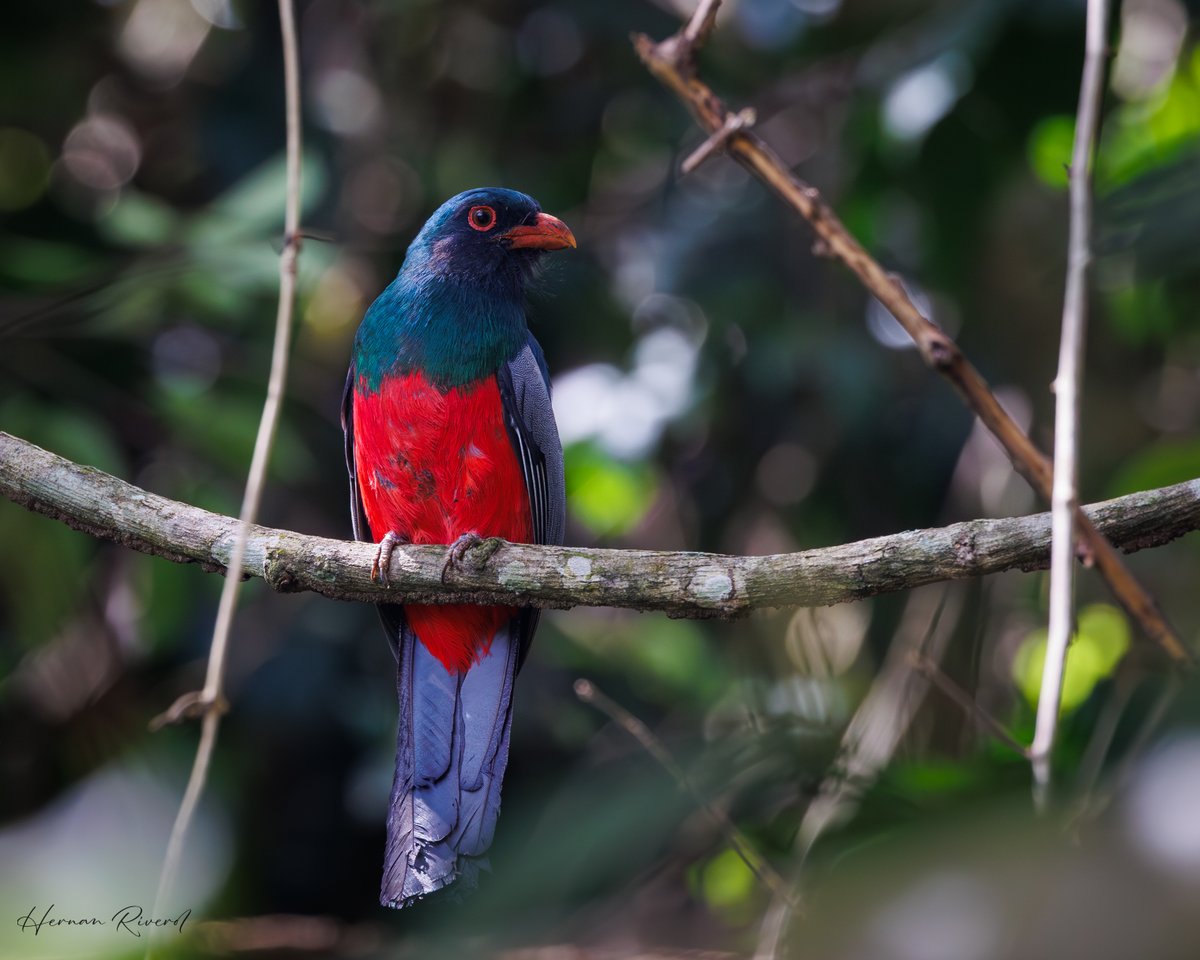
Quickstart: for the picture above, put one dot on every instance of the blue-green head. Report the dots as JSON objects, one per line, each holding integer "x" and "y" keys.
{"x": 456, "y": 310}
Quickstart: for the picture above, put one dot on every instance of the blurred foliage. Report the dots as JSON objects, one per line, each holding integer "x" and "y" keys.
{"x": 608, "y": 496}
{"x": 1101, "y": 639}
{"x": 718, "y": 388}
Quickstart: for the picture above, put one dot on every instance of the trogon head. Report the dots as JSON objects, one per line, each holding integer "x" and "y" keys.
{"x": 456, "y": 310}
{"x": 487, "y": 234}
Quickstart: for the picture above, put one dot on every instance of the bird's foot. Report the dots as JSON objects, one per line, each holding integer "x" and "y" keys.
{"x": 458, "y": 550}
{"x": 383, "y": 556}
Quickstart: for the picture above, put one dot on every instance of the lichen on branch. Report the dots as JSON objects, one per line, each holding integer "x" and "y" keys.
{"x": 684, "y": 584}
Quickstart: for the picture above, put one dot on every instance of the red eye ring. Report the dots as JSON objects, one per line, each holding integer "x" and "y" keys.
{"x": 481, "y": 218}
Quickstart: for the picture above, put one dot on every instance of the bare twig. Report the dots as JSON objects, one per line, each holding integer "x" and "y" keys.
{"x": 1103, "y": 732}
{"x": 673, "y": 62}
{"x": 211, "y": 699}
{"x": 734, "y": 123}
{"x": 966, "y": 703}
{"x": 1095, "y": 802}
{"x": 287, "y": 933}
{"x": 590, "y": 694}
{"x": 1065, "y": 499}
{"x": 702, "y": 22}
{"x": 684, "y": 584}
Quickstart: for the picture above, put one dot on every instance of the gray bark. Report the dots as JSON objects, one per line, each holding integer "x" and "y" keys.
{"x": 684, "y": 584}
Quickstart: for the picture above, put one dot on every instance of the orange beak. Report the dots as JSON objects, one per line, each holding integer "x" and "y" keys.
{"x": 545, "y": 233}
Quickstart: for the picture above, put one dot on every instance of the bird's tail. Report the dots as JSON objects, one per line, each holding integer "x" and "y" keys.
{"x": 451, "y": 751}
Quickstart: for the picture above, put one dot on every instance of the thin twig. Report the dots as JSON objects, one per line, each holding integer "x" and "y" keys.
{"x": 287, "y": 934}
{"x": 702, "y": 22}
{"x": 673, "y": 62}
{"x": 590, "y": 694}
{"x": 1104, "y": 731}
{"x": 683, "y": 583}
{"x": 965, "y": 702}
{"x": 211, "y": 698}
{"x": 1065, "y": 500}
{"x": 734, "y": 123}
{"x": 1097, "y": 801}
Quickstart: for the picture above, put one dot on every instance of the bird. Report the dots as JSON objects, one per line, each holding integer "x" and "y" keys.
{"x": 450, "y": 437}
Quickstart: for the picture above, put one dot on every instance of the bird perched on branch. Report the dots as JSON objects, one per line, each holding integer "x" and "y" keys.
{"x": 450, "y": 437}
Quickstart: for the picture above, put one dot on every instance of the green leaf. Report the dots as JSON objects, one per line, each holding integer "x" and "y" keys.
{"x": 1094, "y": 653}
{"x": 1144, "y": 135}
{"x": 1159, "y": 466}
{"x": 38, "y": 262}
{"x": 671, "y": 660}
{"x": 606, "y": 495}
{"x": 1140, "y": 312}
{"x": 1104, "y": 627}
{"x": 139, "y": 220}
{"x": 49, "y": 552}
{"x": 726, "y": 882}
{"x": 932, "y": 777}
{"x": 254, "y": 206}
{"x": 223, "y": 428}
{"x": 73, "y": 434}
{"x": 1049, "y": 149}
{"x": 24, "y": 168}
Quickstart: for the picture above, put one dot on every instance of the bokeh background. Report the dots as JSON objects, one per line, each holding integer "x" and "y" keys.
{"x": 718, "y": 387}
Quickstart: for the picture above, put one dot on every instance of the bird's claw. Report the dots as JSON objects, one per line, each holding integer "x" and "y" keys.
{"x": 458, "y": 551}
{"x": 383, "y": 556}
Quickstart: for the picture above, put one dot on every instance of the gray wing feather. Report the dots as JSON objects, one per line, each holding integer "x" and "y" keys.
{"x": 529, "y": 416}
{"x": 535, "y": 435}
{"x": 358, "y": 518}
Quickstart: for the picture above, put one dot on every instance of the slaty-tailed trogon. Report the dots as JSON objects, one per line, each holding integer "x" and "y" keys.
{"x": 450, "y": 436}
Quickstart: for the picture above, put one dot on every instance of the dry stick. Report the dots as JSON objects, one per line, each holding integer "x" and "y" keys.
{"x": 286, "y": 934}
{"x": 1103, "y": 732}
{"x": 673, "y": 62}
{"x": 1065, "y": 500}
{"x": 965, "y": 702}
{"x": 211, "y": 699}
{"x": 701, "y": 23}
{"x": 1094, "y": 804}
{"x": 590, "y": 694}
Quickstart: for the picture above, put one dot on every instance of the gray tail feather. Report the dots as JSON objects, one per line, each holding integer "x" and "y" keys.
{"x": 451, "y": 751}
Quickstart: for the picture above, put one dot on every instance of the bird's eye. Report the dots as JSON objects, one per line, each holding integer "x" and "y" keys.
{"x": 481, "y": 218}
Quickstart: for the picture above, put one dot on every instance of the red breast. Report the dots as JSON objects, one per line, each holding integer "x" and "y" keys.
{"x": 432, "y": 466}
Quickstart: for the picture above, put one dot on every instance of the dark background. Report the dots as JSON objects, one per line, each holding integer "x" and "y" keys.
{"x": 718, "y": 388}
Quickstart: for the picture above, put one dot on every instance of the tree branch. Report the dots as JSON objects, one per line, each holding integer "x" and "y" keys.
{"x": 673, "y": 62}
{"x": 683, "y": 584}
